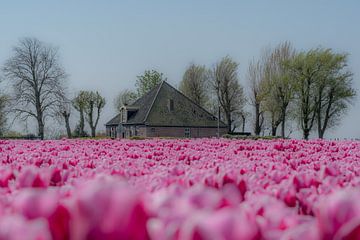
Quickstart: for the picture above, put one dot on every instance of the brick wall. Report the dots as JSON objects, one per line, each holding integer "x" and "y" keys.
{"x": 180, "y": 132}
{"x": 143, "y": 131}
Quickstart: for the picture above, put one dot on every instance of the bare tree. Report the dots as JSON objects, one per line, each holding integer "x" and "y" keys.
{"x": 230, "y": 94}
{"x": 79, "y": 103}
{"x": 94, "y": 105}
{"x": 125, "y": 97}
{"x": 256, "y": 80}
{"x": 37, "y": 79}
{"x": 195, "y": 84}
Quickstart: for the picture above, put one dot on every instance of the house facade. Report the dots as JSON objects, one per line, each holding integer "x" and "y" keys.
{"x": 164, "y": 112}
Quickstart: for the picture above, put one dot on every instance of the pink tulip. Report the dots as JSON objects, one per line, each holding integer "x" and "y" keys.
{"x": 180, "y": 189}
{"x": 107, "y": 209}
{"x": 339, "y": 215}
{"x": 17, "y": 228}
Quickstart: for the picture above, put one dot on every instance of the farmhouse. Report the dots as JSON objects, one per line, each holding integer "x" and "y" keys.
{"x": 164, "y": 112}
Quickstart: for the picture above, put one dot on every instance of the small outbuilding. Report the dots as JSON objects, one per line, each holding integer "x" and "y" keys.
{"x": 164, "y": 112}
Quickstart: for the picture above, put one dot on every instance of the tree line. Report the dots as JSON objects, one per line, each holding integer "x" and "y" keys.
{"x": 312, "y": 88}
{"x": 39, "y": 90}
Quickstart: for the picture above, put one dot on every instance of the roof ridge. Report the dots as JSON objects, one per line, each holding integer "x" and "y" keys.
{"x": 152, "y": 103}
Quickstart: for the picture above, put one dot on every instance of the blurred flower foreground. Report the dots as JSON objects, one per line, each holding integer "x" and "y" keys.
{"x": 179, "y": 189}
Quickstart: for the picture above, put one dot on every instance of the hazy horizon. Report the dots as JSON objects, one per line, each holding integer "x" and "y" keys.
{"x": 104, "y": 46}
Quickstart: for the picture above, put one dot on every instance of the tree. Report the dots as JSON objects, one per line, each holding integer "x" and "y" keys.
{"x": 305, "y": 69}
{"x": 334, "y": 90}
{"x": 148, "y": 81}
{"x": 93, "y": 107}
{"x": 37, "y": 79}
{"x": 229, "y": 92}
{"x": 78, "y": 132}
{"x": 64, "y": 112}
{"x": 125, "y": 97}
{"x": 278, "y": 86}
{"x": 194, "y": 84}
{"x": 256, "y": 79}
{"x": 272, "y": 112}
{"x": 240, "y": 119}
{"x": 79, "y": 103}
{"x": 323, "y": 88}
{"x": 3, "y": 103}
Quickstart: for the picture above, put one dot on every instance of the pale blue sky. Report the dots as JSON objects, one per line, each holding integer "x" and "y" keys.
{"x": 104, "y": 45}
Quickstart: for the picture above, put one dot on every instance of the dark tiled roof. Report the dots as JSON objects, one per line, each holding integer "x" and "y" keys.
{"x": 186, "y": 113}
{"x": 143, "y": 104}
{"x": 114, "y": 121}
{"x": 153, "y": 110}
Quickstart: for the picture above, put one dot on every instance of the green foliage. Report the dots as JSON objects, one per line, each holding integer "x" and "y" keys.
{"x": 230, "y": 94}
{"x": 195, "y": 84}
{"x": 323, "y": 88}
{"x": 148, "y": 81}
{"x": 93, "y": 106}
{"x": 79, "y": 103}
{"x": 125, "y": 97}
{"x": 137, "y": 138}
{"x": 89, "y": 104}
{"x": 278, "y": 87}
{"x": 12, "y": 134}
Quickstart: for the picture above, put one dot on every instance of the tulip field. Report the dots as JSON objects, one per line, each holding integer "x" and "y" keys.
{"x": 179, "y": 189}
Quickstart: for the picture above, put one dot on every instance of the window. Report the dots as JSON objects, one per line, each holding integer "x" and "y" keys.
{"x": 187, "y": 133}
{"x": 171, "y": 105}
{"x": 113, "y": 132}
{"x": 152, "y": 129}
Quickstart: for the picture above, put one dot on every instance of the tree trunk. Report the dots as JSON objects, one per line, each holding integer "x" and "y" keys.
{"x": 306, "y": 133}
{"x": 283, "y": 118}
{"x": 228, "y": 119}
{"x": 90, "y": 118}
{"x": 243, "y": 123}
{"x": 321, "y": 130}
{"x": 318, "y": 114}
{"x": 273, "y": 130}
{"x": 67, "y": 124}
{"x": 93, "y": 131}
{"x": 41, "y": 129}
{"x": 257, "y": 120}
{"x": 82, "y": 123}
